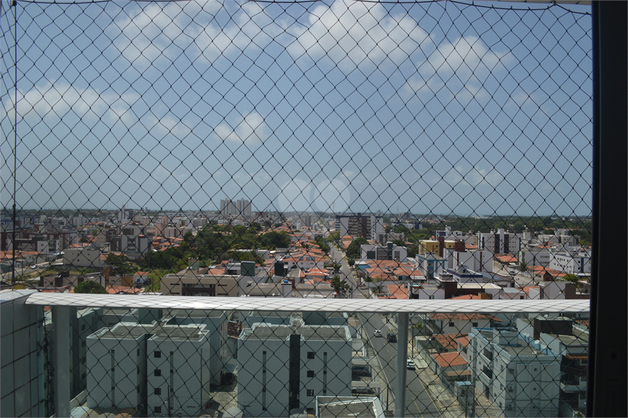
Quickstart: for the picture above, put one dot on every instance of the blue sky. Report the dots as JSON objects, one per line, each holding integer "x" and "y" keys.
{"x": 436, "y": 107}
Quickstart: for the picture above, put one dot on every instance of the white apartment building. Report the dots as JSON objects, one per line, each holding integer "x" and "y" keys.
{"x": 426, "y": 291}
{"x": 571, "y": 262}
{"x": 535, "y": 256}
{"x": 243, "y": 208}
{"x": 515, "y": 373}
{"x": 240, "y": 207}
{"x": 476, "y": 260}
{"x": 84, "y": 256}
{"x": 216, "y": 325}
{"x": 283, "y": 368}
{"x": 227, "y": 207}
{"x": 162, "y": 368}
{"x": 178, "y": 370}
{"x": 457, "y": 323}
{"x": 500, "y": 242}
{"x": 192, "y": 283}
{"x": 450, "y": 235}
{"x": 380, "y": 252}
{"x": 304, "y": 262}
{"x": 117, "y": 367}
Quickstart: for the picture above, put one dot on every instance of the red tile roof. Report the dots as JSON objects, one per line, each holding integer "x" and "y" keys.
{"x": 506, "y": 258}
{"x": 398, "y": 291}
{"x": 449, "y": 359}
{"x": 449, "y": 341}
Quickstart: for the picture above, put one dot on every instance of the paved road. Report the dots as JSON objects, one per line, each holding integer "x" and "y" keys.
{"x": 347, "y": 274}
{"x": 418, "y": 400}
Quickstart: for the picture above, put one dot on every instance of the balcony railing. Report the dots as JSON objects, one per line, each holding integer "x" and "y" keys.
{"x": 402, "y": 390}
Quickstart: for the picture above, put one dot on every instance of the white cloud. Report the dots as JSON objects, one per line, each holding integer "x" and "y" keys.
{"x": 467, "y": 58}
{"x": 422, "y": 87}
{"x": 56, "y": 99}
{"x": 331, "y": 195}
{"x": 463, "y": 66}
{"x": 196, "y": 27}
{"x": 353, "y": 34}
{"x": 294, "y": 195}
{"x": 168, "y": 124}
{"x": 250, "y": 129}
{"x": 473, "y": 177}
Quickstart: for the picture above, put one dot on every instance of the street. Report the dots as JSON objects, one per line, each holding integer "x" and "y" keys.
{"x": 418, "y": 400}
{"x": 347, "y": 274}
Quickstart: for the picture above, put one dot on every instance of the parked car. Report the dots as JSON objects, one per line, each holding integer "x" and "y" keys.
{"x": 392, "y": 338}
{"x": 411, "y": 365}
{"x": 378, "y": 333}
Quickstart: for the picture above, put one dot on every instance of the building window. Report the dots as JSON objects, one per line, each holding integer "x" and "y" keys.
{"x": 310, "y": 392}
{"x": 157, "y": 354}
{"x": 451, "y": 324}
{"x": 158, "y": 409}
{"x": 474, "y": 324}
{"x": 310, "y": 355}
{"x": 157, "y": 391}
{"x": 310, "y": 373}
{"x": 157, "y": 372}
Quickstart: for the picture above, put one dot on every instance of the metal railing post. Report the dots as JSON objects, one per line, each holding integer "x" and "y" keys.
{"x": 402, "y": 357}
{"x": 61, "y": 332}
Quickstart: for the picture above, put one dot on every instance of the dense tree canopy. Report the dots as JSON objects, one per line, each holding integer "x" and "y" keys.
{"x": 89, "y": 286}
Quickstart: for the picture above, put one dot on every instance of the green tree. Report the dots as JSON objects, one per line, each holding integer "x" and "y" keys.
{"x": 571, "y": 278}
{"x": 255, "y": 228}
{"x": 119, "y": 263}
{"x": 353, "y": 250}
{"x": 401, "y": 229}
{"x": 523, "y": 266}
{"x": 89, "y": 286}
{"x": 274, "y": 239}
{"x": 340, "y": 286}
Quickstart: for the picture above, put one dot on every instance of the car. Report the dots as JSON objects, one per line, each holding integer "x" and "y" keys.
{"x": 33, "y": 267}
{"x": 378, "y": 333}
{"x": 410, "y": 364}
{"x": 392, "y": 338}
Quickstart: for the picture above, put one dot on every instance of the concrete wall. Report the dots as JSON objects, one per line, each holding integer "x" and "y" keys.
{"x": 184, "y": 368}
{"x": 253, "y": 377}
{"x": 115, "y": 376}
{"x": 21, "y": 387}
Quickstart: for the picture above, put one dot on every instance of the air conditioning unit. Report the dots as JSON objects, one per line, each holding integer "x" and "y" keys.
{"x": 510, "y": 389}
{"x": 510, "y": 406}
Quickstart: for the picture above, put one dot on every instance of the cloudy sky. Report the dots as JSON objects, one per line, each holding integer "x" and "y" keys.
{"x": 338, "y": 105}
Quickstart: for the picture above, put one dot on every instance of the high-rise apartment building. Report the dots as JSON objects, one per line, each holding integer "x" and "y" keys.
{"x": 368, "y": 226}
{"x": 241, "y": 207}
